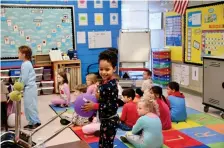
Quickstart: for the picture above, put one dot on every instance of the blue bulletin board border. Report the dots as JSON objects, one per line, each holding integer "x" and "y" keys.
{"x": 35, "y": 6}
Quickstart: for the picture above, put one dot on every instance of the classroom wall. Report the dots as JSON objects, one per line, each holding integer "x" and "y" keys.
{"x": 86, "y": 55}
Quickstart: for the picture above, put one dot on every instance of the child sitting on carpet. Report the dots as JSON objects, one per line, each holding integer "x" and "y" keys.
{"x": 79, "y": 89}
{"x": 147, "y": 132}
{"x": 138, "y": 95}
{"x": 163, "y": 107}
{"x": 64, "y": 99}
{"x": 129, "y": 114}
{"x": 91, "y": 80}
{"x": 177, "y": 102}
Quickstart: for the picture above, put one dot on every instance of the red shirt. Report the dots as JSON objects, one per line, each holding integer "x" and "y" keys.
{"x": 164, "y": 114}
{"x": 129, "y": 114}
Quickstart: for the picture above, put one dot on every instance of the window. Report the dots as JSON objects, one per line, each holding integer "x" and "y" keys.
{"x": 134, "y": 15}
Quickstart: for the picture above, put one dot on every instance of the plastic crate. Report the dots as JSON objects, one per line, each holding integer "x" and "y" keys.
{"x": 161, "y": 73}
{"x": 38, "y": 84}
{"x": 161, "y": 53}
{"x": 5, "y": 79}
{"x": 39, "y": 70}
{"x": 161, "y": 82}
{"x": 39, "y": 77}
{"x": 161, "y": 78}
{"x": 161, "y": 64}
{"x": 47, "y": 77}
{"x": 161, "y": 60}
{"x": 14, "y": 72}
{"x": 47, "y": 90}
{"x": 161, "y": 56}
{"x": 47, "y": 71}
{"x": 14, "y": 78}
{"x": 4, "y": 73}
{"x": 47, "y": 83}
{"x": 38, "y": 91}
{"x": 164, "y": 76}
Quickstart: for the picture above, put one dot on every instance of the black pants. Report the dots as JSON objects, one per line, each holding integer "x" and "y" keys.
{"x": 108, "y": 129}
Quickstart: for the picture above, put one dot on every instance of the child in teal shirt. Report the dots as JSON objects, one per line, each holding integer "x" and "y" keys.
{"x": 147, "y": 132}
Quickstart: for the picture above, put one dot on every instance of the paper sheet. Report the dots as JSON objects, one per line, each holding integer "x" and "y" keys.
{"x": 195, "y": 73}
{"x": 83, "y": 19}
{"x": 99, "y": 39}
{"x": 196, "y": 19}
{"x": 184, "y": 75}
{"x": 98, "y": 3}
{"x": 113, "y": 18}
{"x": 81, "y": 37}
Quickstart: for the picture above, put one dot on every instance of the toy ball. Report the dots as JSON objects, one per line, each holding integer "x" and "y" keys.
{"x": 15, "y": 95}
{"x": 11, "y": 120}
{"x": 80, "y": 101}
{"x": 18, "y": 86}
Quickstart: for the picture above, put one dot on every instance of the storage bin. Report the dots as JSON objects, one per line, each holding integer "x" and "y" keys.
{"x": 14, "y": 72}
{"x": 4, "y": 73}
{"x": 47, "y": 71}
{"x": 47, "y": 77}
{"x": 14, "y": 78}
{"x": 161, "y": 53}
{"x": 38, "y": 84}
{"x": 47, "y": 90}
{"x": 5, "y": 79}
{"x": 39, "y": 77}
{"x": 161, "y": 60}
{"x": 38, "y": 91}
{"x": 161, "y": 56}
{"x": 39, "y": 70}
{"x": 47, "y": 83}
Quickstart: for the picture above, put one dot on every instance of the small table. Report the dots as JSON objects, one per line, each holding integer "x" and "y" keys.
{"x": 76, "y": 144}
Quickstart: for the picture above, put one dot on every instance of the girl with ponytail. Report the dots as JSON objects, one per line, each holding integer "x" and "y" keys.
{"x": 163, "y": 104}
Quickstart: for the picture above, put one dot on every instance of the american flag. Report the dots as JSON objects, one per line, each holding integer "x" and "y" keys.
{"x": 180, "y": 6}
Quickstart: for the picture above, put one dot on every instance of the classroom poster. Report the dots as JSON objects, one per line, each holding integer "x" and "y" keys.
{"x": 39, "y": 27}
{"x": 98, "y": 3}
{"x": 173, "y": 31}
{"x": 83, "y": 19}
{"x": 81, "y": 37}
{"x": 98, "y": 18}
{"x": 82, "y": 3}
{"x": 113, "y": 18}
{"x": 204, "y": 33}
{"x": 113, "y": 3}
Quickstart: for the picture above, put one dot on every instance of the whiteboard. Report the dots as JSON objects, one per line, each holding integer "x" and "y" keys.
{"x": 134, "y": 46}
{"x": 155, "y": 20}
{"x": 100, "y": 39}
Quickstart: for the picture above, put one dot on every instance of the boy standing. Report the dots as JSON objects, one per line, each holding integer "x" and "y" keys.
{"x": 147, "y": 83}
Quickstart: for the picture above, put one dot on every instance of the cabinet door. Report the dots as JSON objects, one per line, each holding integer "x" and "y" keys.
{"x": 213, "y": 92}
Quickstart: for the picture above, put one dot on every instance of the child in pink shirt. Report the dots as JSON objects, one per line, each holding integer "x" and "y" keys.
{"x": 64, "y": 99}
{"x": 91, "y": 80}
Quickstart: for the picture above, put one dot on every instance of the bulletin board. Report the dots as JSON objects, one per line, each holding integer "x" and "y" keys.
{"x": 204, "y": 33}
{"x": 42, "y": 27}
{"x": 174, "y": 35}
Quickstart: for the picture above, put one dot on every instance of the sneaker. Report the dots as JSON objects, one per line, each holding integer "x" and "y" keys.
{"x": 96, "y": 133}
{"x": 27, "y": 126}
{"x": 35, "y": 125}
{"x": 124, "y": 139}
{"x": 31, "y": 127}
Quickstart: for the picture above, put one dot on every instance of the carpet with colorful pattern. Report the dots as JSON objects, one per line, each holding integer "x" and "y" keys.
{"x": 199, "y": 131}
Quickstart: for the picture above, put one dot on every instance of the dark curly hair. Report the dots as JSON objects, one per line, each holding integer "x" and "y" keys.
{"x": 109, "y": 55}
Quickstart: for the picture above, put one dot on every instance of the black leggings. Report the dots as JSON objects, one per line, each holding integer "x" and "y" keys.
{"x": 108, "y": 129}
